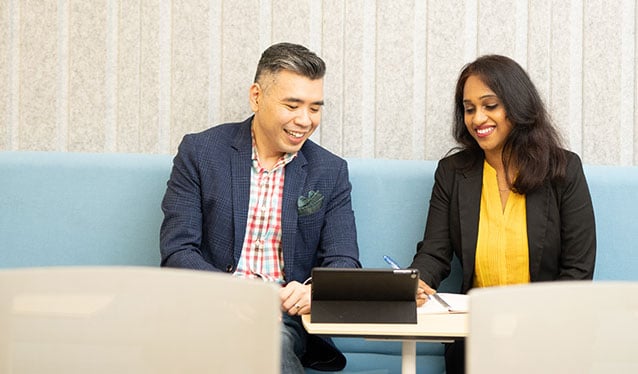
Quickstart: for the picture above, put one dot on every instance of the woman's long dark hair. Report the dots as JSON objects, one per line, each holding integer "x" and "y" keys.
{"x": 534, "y": 147}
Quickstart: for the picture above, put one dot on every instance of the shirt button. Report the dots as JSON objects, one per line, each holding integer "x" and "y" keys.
{"x": 229, "y": 268}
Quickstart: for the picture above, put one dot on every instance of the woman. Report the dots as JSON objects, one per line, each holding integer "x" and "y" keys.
{"x": 512, "y": 204}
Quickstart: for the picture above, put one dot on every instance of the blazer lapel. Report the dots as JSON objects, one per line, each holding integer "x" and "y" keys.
{"x": 537, "y": 205}
{"x": 240, "y": 164}
{"x": 470, "y": 186}
{"x": 294, "y": 182}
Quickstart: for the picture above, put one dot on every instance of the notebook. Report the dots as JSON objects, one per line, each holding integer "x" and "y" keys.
{"x": 364, "y": 295}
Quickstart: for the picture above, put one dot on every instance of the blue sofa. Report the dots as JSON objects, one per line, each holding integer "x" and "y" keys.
{"x": 104, "y": 209}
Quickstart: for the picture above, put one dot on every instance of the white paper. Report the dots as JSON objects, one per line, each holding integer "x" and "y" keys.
{"x": 458, "y": 302}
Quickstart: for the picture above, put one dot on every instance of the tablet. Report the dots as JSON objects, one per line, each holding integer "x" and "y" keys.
{"x": 364, "y": 295}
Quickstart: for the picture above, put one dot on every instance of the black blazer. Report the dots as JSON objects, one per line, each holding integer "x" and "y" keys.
{"x": 560, "y": 224}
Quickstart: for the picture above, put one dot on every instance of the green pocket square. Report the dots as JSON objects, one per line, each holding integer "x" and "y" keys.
{"x": 309, "y": 204}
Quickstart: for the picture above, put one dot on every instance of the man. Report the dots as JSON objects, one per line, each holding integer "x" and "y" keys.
{"x": 258, "y": 199}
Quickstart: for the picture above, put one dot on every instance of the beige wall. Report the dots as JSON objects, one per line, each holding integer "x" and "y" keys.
{"x": 135, "y": 76}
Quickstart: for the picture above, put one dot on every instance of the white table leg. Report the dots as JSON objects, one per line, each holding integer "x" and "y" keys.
{"x": 408, "y": 357}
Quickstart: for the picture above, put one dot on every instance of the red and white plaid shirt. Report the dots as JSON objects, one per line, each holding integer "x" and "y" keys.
{"x": 261, "y": 254}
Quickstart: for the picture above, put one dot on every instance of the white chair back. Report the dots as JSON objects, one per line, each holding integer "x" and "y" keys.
{"x": 554, "y": 327}
{"x": 136, "y": 320}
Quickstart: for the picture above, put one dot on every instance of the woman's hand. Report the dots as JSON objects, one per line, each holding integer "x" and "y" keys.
{"x": 422, "y": 293}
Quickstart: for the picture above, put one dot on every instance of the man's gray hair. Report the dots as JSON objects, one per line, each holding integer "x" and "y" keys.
{"x": 291, "y": 57}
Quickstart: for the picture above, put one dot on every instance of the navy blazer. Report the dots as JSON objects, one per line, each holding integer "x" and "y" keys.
{"x": 206, "y": 206}
{"x": 561, "y": 231}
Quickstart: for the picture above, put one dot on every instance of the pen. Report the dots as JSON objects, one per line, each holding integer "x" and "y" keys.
{"x": 441, "y": 301}
{"x": 391, "y": 262}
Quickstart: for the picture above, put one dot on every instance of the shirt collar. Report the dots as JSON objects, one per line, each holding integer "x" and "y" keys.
{"x": 283, "y": 160}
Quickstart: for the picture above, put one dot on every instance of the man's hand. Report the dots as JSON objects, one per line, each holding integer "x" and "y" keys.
{"x": 295, "y": 298}
{"x": 422, "y": 293}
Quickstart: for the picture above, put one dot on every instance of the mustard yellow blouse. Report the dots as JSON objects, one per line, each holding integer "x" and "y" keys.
{"x": 502, "y": 253}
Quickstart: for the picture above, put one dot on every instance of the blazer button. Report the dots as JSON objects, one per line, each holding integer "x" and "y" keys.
{"x": 229, "y": 268}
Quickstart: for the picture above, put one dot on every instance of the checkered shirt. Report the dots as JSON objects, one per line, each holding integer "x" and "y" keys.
{"x": 261, "y": 255}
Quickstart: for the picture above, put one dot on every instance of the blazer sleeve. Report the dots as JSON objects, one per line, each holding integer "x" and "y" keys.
{"x": 578, "y": 228}
{"x": 434, "y": 253}
{"x": 181, "y": 230}
{"x": 338, "y": 244}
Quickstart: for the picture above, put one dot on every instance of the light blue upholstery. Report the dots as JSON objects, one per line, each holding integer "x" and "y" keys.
{"x": 80, "y": 209}
{"x": 614, "y": 191}
{"x": 104, "y": 209}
